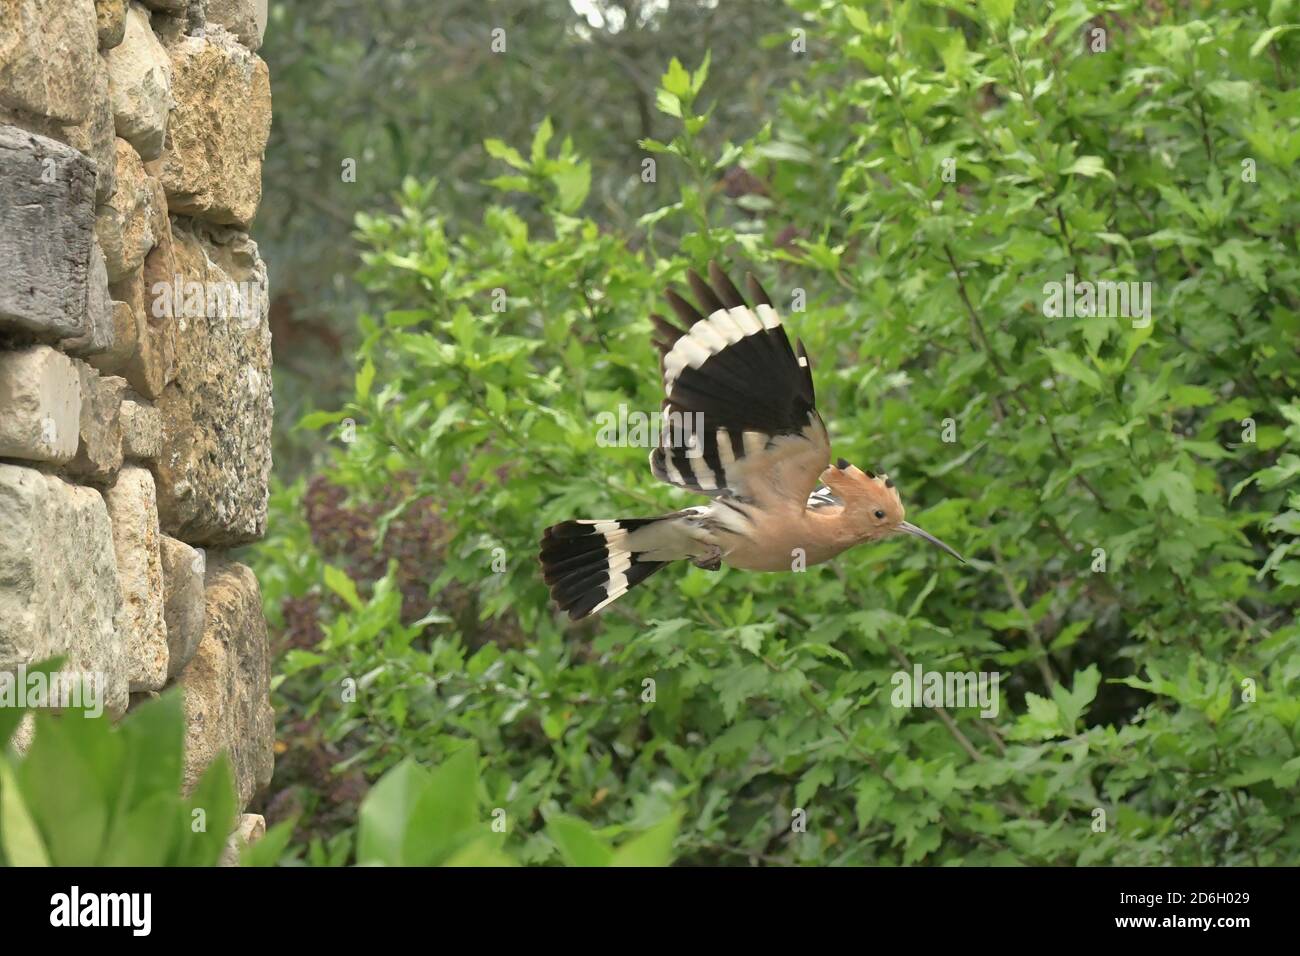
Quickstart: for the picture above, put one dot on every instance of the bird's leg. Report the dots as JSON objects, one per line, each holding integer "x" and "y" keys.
{"x": 710, "y": 560}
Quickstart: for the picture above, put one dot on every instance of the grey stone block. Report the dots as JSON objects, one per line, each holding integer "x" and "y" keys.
{"x": 47, "y": 226}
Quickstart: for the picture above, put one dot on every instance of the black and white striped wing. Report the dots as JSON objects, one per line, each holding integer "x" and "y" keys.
{"x": 823, "y": 497}
{"x": 740, "y": 415}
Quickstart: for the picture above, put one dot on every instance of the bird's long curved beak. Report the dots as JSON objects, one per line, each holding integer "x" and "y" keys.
{"x": 913, "y": 529}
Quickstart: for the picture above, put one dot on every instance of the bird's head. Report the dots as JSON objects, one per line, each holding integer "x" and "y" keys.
{"x": 872, "y": 508}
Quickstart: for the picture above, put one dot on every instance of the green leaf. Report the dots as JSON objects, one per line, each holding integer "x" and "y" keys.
{"x": 751, "y": 637}
{"x": 668, "y": 103}
{"x": 519, "y": 184}
{"x": 1167, "y": 483}
{"x": 314, "y": 420}
{"x": 153, "y": 735}
{"x": 1236, "y": 93}
{"x": 572, "y": 183}
{"x": 1090, "y": 167}
{"x": 1041, "y": 720}
{"x": 858, "y": 19}
{"x": 1073, "y": 703}
{"x": 1269, "y": 35}
{"x": 540, "y": 140}
{"x": 701, "y": 75}
{"x": 677, "y": 81}
{"x": 1191, "y": 396}
{"x": 553, "y": 724}
{"x": 70, "y": 779}
{"x": 790, "y": 152}
{"x": 215, "y": 796}
{"x": 819, "y": 776}
{"x": 579, "y": 845}
{"x": 998, "y": 11}
{"x": 365, "y": 377}
{"x": 414, "y": 817}
{"x": 496, "y": 400}
{"x": 653, "y": 847}
{"x": 270, "y": 848}
{"x": 480, "y": 852}
{"x": 499, "y": 150}
{"x": 1244, "y": 259}
{"x": 385, "y": 815}
{"x": 151, "y": 832}
{"x": 1071, "y": 366}
{"x": 20, "y": 840}
{"x": 338, "y": 581}
{"x": 446, "y": 811}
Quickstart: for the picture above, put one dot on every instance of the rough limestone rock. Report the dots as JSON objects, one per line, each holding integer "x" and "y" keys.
{"x": 48, "y": 50}
{"x": 215, "y": 464}
{"x": 99, "y": 310}
{"x": 141, "y": 429}
{"x": 160, "y": 264}
{"x": 183, "y": 601}
{"x": 218, "y": 132}
{"x": 126, "y": 339}
{"x": 141, "y": 82}
{"x": 227, "y": 684}
{"x": 246, "y": 19}
{"x": 99, "y": 331}
{"x": 40, "y": 395}
{"x": 144, "y": 350}
{"x": 133, "y": 511}
{"x": 171, "y": 26}
{"x": 47, "y": 215}
{"x": 94, "y": 137}
{"x": 97, "y": 136}
{"x": 110, "y": 19}
{"x": 99, "y": 454}
{"x": 58, "y": 579}
{"x": 134, "y": 355}
{"x": 144, "y": 328}
{"x": 250, "y": 828}
{"x": 125, "y": 223}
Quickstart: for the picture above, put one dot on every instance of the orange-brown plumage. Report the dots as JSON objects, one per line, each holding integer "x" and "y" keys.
{"x": 763, "y": 451}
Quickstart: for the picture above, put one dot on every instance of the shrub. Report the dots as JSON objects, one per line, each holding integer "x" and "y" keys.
{"x": 1125, "y": 489}
{"x": 416, "y": 817}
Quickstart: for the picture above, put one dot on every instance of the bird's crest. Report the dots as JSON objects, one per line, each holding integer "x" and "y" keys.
{"x": 870, "y": 501}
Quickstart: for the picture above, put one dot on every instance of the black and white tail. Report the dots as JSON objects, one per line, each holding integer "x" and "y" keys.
{"x": 589, "y": 564}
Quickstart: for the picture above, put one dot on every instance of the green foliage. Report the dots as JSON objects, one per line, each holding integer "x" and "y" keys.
{"x": 90, "y": 794}
{"x": 1125, "y": 490}
{"x": 416, "y": 817}
{"x": 367, "y": 94}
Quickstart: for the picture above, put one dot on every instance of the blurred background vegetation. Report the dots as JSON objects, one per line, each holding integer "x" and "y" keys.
{"x": 1149, "y": 709}
{"x": 403, "y": 88}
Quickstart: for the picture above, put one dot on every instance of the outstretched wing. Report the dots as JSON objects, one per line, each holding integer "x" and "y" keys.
{"x": 740, "y": 415}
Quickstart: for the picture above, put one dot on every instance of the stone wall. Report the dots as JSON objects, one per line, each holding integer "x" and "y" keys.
{"x": 135, "y": 357}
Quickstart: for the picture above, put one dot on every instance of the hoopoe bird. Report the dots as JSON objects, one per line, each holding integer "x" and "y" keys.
{"x": 761, "y": 452}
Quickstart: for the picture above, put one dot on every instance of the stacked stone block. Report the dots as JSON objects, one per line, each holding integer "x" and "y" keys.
{"x": 135, "y": 358}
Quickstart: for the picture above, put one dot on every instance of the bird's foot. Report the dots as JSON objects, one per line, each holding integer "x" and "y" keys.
{"x": 711, "y": 561}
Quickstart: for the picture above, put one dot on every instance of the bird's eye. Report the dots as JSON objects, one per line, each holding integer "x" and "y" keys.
{"x": 880, "y": 514}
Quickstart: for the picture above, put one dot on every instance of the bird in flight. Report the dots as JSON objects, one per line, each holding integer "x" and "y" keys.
{"x": 759, "y": 449}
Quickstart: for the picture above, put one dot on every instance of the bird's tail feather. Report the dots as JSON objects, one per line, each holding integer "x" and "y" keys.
{"x": 590, "y": 564}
